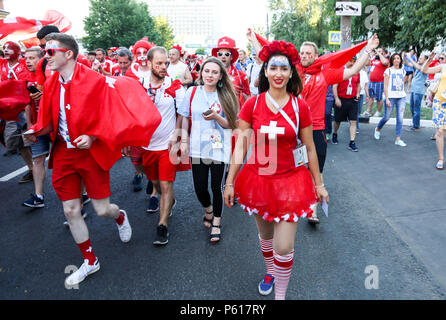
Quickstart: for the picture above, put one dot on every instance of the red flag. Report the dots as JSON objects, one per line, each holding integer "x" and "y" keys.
{"x": 13, "y": 98}
{"x": 116, "y": 110}
{"x": 31, "y": 42}
{"x": 12, "y": 25}
{"x": 58, "y": 19}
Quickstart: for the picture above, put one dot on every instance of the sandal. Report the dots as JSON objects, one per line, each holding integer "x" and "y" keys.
{"x": 206, "y": 220}
{"x": 214, "y": 236}
{"x": 440, "y": 165}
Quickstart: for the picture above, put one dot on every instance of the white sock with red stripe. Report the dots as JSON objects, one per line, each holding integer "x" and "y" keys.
{"x": 282, "y": 273}
{"x": 267, "y": 251}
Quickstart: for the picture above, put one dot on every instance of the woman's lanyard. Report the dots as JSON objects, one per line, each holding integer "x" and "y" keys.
{"x": 287, "y": 118}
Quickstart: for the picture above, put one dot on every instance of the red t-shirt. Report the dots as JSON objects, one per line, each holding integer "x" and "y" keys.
{"x": 377, "y": 69}
{"x": 273, "y": 156}
{"x": 18, "y": 72}
{"x": 42, "y": 76}
{"x": 317, "y": 85}
{"x": 240, "y": 82}
{"x": 107, "y": 66}
{"x": 434, "y": 63}
{"x": 347, "y": 85}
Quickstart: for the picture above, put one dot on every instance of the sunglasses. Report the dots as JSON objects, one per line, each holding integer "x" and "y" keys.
{"x": 221, "y": 54}
{"x": 52, "y": 52}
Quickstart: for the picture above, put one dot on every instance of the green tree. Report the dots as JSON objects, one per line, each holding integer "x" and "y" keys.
{"x": 120, "y": 23}
{"x": 164, "y": 36}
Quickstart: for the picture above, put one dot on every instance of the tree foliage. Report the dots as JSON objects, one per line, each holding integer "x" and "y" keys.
{"x": 121, "y": 23}
{"x": 402, "y": 24}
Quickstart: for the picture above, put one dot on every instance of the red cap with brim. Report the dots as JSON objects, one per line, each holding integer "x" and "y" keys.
{"x": 226, "y": 43}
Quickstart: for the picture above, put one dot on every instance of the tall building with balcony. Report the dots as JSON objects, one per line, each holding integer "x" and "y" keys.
{"x": 194, "y": 22}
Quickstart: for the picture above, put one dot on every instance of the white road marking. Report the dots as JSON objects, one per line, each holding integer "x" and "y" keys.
{"x": 14, "y": 174}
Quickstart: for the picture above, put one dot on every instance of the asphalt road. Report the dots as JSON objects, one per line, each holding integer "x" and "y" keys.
{"x": 386, "y": 221}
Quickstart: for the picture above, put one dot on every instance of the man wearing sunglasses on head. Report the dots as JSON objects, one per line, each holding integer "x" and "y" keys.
{"x": 86, "y": 144}
{"x": 228, "y": 54}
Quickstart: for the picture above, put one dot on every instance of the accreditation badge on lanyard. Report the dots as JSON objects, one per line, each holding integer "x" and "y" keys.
{"x": 215, "y": 137}
{"x": 300, "y": 154}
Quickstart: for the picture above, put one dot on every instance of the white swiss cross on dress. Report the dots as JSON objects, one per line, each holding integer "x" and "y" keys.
{"x": 272, "y": 130}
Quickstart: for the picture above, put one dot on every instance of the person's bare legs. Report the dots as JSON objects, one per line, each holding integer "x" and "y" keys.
{"x": 166, "y": 201}
{"x": 39, "y": 173}
{"x": 440, "y": 144}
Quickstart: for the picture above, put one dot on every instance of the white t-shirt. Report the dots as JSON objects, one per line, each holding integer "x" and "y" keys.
{"x": 204, "y": 131}
{"x": 166, "y": 105}
{"x": 395, "y": 88}
{"x": 63, "y": 126}
{"x": 253, "y": 73}
{"x": 177, "y": 71}
{"x": 364, "y": 80}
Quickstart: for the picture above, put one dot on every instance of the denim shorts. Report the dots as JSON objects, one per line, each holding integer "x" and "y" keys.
{"x": 376, "y": 90}
{"x": 42, "y": 146}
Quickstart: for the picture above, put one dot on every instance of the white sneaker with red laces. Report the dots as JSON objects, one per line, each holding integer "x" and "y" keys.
{"x": 125, "y": 230}
{"x": 80, "y": 274}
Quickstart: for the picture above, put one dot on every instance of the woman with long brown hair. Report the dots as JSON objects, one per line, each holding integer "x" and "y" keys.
{"x": 275, "y": 184}
{"x": 210, "y": 110}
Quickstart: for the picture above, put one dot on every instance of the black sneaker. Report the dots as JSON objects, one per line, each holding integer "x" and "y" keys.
{"x": 28, "y": 177}
{"x": 34, "y": 202}
{"x": 334, "y": 138}
{"x": 162, "y": 235}
{"x": 85, "y": 199}
{"x": 149, "y": 188}
{"x": 352, "y": 147}
{"x": 154, "y": 205}
{"x": 137, "y": 182}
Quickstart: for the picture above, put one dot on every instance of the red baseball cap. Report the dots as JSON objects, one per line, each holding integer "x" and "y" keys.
{"x": 226, "y": 43}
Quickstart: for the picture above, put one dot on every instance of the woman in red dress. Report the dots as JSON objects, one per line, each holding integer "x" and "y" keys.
{"x": 275, "y": 184}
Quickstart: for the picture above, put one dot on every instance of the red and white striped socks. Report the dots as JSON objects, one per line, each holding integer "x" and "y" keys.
{"x": 267, "y": 251}
{"x": 282, "y": 273}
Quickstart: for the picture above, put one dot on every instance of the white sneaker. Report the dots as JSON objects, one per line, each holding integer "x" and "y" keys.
{"x": 377, "y": 114}
{"x": 125, "y": 230}
{"x": 377, "y": 134}
{"x": 400, "y": 143}
{"x": 366, "y": 114}
{"x": 80, "y": 274}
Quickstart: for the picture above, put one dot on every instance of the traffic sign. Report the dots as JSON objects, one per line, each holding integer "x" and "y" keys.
{"x": 334, "y": 37}
{"x": 344, "y": 8}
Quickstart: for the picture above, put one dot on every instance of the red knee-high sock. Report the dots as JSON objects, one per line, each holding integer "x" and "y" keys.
{"x": 267, "y": 251}
{"x": 282, "y": 273}
{"x": 87, "y": 251}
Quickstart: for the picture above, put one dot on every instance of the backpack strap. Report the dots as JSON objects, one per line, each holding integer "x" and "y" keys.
{"x": 194, "y": 89}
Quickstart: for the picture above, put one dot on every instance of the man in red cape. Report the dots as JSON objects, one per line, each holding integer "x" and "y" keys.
{"x": 90, "y": 117}
{"x": 317, "y": 75}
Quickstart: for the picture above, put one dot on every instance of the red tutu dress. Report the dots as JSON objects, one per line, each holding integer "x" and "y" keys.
{"x": 269, "y": 184}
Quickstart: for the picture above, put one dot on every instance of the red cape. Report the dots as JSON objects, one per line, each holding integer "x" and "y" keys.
{"x": 333, "y": 60}
{"x": 13, "y": 98}
{"x": 116, "y": 110}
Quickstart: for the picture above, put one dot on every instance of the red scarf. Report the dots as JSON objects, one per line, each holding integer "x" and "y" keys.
{"x": 116, "y": 110}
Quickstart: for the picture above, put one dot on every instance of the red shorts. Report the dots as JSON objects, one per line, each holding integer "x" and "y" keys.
{"x": 136, "y": 155}
{"x": 70, "y": 167}
{"x": 157, "y": 165}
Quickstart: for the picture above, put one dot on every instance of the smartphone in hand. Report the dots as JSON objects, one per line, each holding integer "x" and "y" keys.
{"x": 33, "y": 89}
{"x": 207, "y": 112}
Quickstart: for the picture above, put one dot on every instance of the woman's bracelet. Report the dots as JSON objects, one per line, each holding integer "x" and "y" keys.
{"x": 228, "y": 185}
{"x": 320, "y": 186}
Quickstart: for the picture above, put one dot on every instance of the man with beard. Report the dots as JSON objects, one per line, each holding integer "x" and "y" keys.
{"x": 105, "y": 65}
{"x": 166, "y": 93}
{"x": 228, "y": 54}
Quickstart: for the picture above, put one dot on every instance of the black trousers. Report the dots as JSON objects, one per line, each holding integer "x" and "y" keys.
{"x": 200, "y": 174}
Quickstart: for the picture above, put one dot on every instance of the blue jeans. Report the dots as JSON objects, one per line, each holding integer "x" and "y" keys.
{"x": 360, "y": 103}
{"x": 328, "y": 117}
{"x": 400, "y": 104}
{"x": 415, "y": 108}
